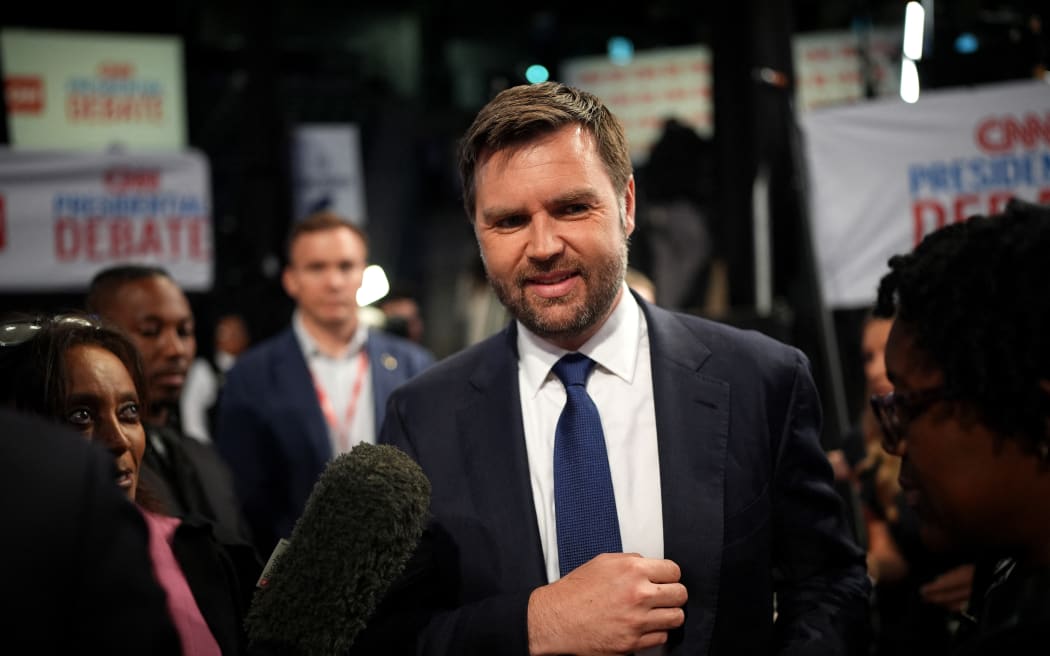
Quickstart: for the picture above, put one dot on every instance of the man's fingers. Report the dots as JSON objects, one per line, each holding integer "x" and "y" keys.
{"x": 653, "y": 639}
{"x": 669, "y": 595}
{"x": 661, "y": 570}
{"x": 662, "y": 619}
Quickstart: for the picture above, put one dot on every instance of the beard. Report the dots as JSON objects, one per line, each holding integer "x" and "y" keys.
{"x": 601, "y": 285}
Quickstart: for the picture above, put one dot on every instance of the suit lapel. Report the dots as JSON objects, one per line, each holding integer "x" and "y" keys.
{"x": 295, "y": 387}
{"x": 385, "y": 375}
{"x": 692, "y": 423}
{"x": 495, "y": 460}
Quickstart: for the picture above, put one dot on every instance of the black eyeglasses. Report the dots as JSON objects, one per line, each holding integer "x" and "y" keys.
{"x": 20, "y": 331}
{"x": 896, "y": 410}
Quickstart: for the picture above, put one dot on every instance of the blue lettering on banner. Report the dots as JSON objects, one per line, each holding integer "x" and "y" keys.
{"x": 980, "y": 174}
{"x": 73, "y": 205}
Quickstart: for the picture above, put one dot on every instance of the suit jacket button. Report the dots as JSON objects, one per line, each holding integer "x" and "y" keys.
{"x": 389, "y": 362}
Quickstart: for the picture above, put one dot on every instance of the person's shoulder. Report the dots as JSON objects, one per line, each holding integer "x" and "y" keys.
{"x": 260, "y": 355}
{"x": 458, "y": 368}
{"x": 399, "y": 346}
{"x": 730, "y": 342}
{"x": 198, "y": 451}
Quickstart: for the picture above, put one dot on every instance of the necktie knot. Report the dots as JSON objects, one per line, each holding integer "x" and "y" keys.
{"x": 573, "y": 369}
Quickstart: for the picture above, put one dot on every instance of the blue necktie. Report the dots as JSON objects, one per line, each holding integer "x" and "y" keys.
{"x": 584, "y": 505}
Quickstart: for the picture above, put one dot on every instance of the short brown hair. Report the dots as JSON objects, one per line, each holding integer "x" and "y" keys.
{"x": 320, "y": 222}
{"x": 520, "y": 114}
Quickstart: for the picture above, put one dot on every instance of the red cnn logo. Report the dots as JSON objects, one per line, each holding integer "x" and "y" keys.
{"x": 24, "y": 94}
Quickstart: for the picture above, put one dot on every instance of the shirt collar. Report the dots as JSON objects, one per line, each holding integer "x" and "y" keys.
{"x": 614, "y": 347}
{"x": 310, "y": 348}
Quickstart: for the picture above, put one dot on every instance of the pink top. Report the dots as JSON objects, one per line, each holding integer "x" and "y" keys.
{"x": 194, "y": 633}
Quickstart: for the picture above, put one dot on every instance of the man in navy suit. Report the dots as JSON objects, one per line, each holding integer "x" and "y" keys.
{"x": 297, "y": 400}
{"x": 733, "y": 539}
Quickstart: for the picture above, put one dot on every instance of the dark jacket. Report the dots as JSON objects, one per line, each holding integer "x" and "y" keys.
{"x": 78, "y": 577}
{"x": 1012, "y": 616}
{"x": 190, "y": 478}
{"x": 273, "y": 433}
{"x": 748, "y": 508}
{"x": 222, "y": 578}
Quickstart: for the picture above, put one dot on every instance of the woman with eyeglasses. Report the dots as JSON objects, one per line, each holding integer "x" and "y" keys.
{"x": 969, "y": 415}
{"x": 73, "y": 370}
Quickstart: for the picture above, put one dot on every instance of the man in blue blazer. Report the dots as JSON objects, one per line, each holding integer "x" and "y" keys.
{"x": 295, "y": 401}
{"x": 733, "y": 540}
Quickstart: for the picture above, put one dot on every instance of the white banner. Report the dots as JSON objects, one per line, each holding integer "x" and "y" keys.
{"x": 90, "y": 91}
{"x": 885, "y": 173}
{"x": 828, "y": 67}
{"x": 654, "y": 86}
{"x": 64, "y": 216}
{"x": 327, "y": 170}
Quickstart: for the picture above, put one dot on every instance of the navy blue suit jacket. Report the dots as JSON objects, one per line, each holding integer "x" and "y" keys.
{"x": 272, "y": 431}
{"x": 748, "y": 504}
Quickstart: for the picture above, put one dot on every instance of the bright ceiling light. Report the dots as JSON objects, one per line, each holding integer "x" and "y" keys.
{"x": 374, "y": 285}
{"x": 914, "y": 24}
{"x": 909, "y": 81}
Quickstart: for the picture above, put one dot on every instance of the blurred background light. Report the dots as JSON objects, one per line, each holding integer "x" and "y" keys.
{"x": 914, "y": 25}
{"x": 909, "y": 81}
{"x": 537, "y": 73}
{"x": 621, "y": 50}
{"x": 374, "y": 285}
{"x": 966, "y": 43}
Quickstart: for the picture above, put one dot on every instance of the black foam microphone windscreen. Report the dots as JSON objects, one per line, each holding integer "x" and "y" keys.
{"x": 362, "y": 522}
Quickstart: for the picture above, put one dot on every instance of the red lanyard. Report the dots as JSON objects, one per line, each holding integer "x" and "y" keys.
{"x": 342, "y": 431}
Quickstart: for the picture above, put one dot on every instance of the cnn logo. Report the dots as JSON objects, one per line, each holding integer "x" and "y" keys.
{"x": 24, "y": 94}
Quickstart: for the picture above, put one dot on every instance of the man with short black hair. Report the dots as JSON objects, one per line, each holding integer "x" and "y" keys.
{"x": 189, "y": 477}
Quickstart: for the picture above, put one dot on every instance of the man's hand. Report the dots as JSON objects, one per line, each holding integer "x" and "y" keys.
{"x": 612, "y": 604}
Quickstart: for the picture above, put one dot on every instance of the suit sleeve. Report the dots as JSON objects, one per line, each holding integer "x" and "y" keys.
{"x": 241, "y": 439}
{"x": 819, "y": 572}
{"x": 423, "y": 612}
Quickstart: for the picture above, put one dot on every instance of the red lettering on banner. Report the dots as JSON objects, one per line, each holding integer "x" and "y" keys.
{"x": 150, "y": 241}
{"x": 115, "y": 109}
{"x": 919, "y": 210}
{"x": 930, "y": 214}
{"x": 116, "y": 70}
{"x": 67, "y": 239}
{"x": 196, "y": 239}
{"x": 121, "y": 238}
{"x": 1001, "y": 134}
{"x": 24, "y": 94}
{"x": 961, "y": 207}
{"x": 91, "y": 240}
{"x": 94, "y": 239}
{"x": 175, "y": 235}
{"x": 117, "y": 180}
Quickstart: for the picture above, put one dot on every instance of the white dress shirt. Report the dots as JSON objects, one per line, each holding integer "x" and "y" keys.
{"x": 337, "y": 376}
{"x": 621, "y": 386}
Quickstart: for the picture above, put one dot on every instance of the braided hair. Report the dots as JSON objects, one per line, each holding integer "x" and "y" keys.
{"x": 976, "y": 297}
